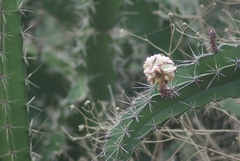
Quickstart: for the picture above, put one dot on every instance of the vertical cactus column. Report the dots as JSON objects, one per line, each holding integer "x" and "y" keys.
{"x": 14, "y": 135}
{"x": 99, "y": 58}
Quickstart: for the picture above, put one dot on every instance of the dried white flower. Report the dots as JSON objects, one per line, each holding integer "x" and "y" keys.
{"x": 160, "y": 70}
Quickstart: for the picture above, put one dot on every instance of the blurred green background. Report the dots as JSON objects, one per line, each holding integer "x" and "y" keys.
{"x": 81, "y": 54}
{"x": 80, "y": 51}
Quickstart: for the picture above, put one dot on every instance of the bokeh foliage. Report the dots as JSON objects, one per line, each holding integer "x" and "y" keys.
{"x": 81, "y": 54}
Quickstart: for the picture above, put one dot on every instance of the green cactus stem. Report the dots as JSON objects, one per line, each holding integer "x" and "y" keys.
{"x": 207, "y": 78}
{"x": 14, "y": 127}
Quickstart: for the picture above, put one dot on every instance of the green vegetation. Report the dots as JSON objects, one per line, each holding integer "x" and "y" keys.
{"x": 73, "y": 83}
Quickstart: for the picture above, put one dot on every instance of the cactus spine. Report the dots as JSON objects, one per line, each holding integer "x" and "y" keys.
{"x": 14, "y": 135}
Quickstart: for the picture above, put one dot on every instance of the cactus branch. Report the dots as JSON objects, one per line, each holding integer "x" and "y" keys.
{"x": 215, "y": 75}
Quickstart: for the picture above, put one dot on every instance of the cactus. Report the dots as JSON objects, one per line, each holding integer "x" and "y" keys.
{"x": 14, "y": 133}
{"x": 66, "y": 48}
{"x": 207, "y": 78}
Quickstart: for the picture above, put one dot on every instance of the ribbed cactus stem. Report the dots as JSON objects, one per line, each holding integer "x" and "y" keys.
{"x": 14, "y": 133}
{"x": 207, "y": 78}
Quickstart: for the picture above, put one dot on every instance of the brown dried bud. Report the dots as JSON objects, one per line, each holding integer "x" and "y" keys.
{"x": 212, "y": 34}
